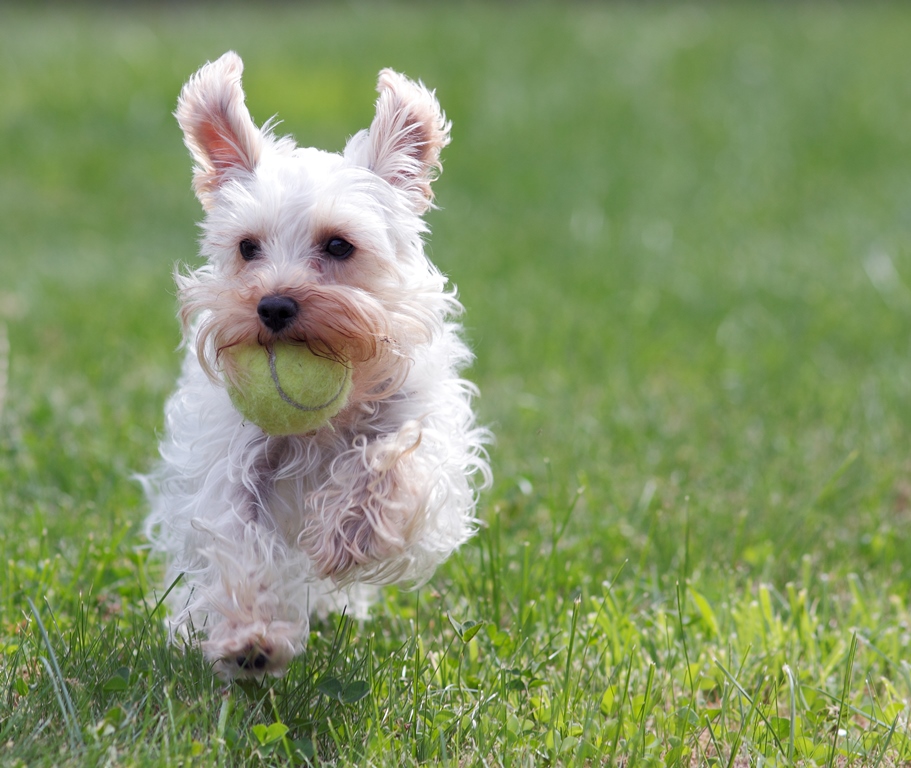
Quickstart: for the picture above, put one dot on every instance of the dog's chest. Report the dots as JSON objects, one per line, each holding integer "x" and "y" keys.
{"x": 286, "y": 503}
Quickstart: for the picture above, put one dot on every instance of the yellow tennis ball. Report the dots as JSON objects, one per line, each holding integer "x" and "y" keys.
{"x": 286, "y": 389}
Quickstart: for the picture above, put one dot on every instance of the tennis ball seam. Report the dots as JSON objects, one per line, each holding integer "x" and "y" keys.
{"x": 267, "y": 377}
{"x": 290, "y": 400}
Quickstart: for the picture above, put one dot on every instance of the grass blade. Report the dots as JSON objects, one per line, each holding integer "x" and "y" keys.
{"x": 60, "y": 687}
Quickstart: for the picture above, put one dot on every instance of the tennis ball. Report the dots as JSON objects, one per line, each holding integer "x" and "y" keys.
{"x": 286, "y": 389}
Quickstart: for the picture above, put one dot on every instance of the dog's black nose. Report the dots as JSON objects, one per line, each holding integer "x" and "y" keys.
{"x": 276, "y": 312}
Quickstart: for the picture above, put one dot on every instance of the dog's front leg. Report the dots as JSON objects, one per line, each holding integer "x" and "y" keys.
{"x": 240, "y": 598}
{"x": 372, "y": 509}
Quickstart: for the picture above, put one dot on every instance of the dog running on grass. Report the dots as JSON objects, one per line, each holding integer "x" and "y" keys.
{"x": 313, "y": 259}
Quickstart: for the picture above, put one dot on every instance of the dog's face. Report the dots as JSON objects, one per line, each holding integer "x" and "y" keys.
{"x": 308, "y": 246}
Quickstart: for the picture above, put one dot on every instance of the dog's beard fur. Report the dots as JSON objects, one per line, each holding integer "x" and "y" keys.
{"x": 334, "y": 322}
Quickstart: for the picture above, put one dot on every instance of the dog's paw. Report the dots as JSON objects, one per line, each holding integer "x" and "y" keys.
{"x": 253, "y": 651}
{"x": 253, "y": 659}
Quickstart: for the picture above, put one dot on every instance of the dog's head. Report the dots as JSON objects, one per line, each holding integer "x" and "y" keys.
{"x": 308, "y": 246}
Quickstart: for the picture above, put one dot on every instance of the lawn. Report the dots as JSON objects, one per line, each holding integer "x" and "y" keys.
{"x": 682, "y": 233}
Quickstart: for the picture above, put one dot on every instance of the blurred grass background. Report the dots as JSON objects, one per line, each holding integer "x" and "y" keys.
{"x": 679, "y": 232}
{"x": 682, "y": 233}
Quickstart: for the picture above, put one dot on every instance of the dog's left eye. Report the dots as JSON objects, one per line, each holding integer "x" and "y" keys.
{"x": 338, "y": 249}
{"x": 249, "y": 249}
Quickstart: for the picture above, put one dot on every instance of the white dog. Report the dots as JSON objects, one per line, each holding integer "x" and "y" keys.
{"x": 324, "y": 250}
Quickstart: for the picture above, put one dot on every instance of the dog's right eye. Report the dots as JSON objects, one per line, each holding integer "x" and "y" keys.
{"x": 249, "y": 249}
{"x": 338, "y": 248}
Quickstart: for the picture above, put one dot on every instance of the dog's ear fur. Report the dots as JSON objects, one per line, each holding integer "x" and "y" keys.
{"x": 404, "y": 141}
{"x": 217, "y": 126}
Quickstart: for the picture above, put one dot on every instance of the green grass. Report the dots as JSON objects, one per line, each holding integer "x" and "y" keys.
{"x": 683, "y": 236}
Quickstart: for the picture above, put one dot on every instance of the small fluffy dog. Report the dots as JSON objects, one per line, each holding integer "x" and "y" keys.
{"x": 325, "y": 250}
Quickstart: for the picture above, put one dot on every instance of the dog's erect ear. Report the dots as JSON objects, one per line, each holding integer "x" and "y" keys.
{"x": 404, "y": 141}
{"x": 217, "y": 126}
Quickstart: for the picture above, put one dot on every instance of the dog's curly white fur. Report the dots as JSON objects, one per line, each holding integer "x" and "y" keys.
{"x": 314, "y": 248}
